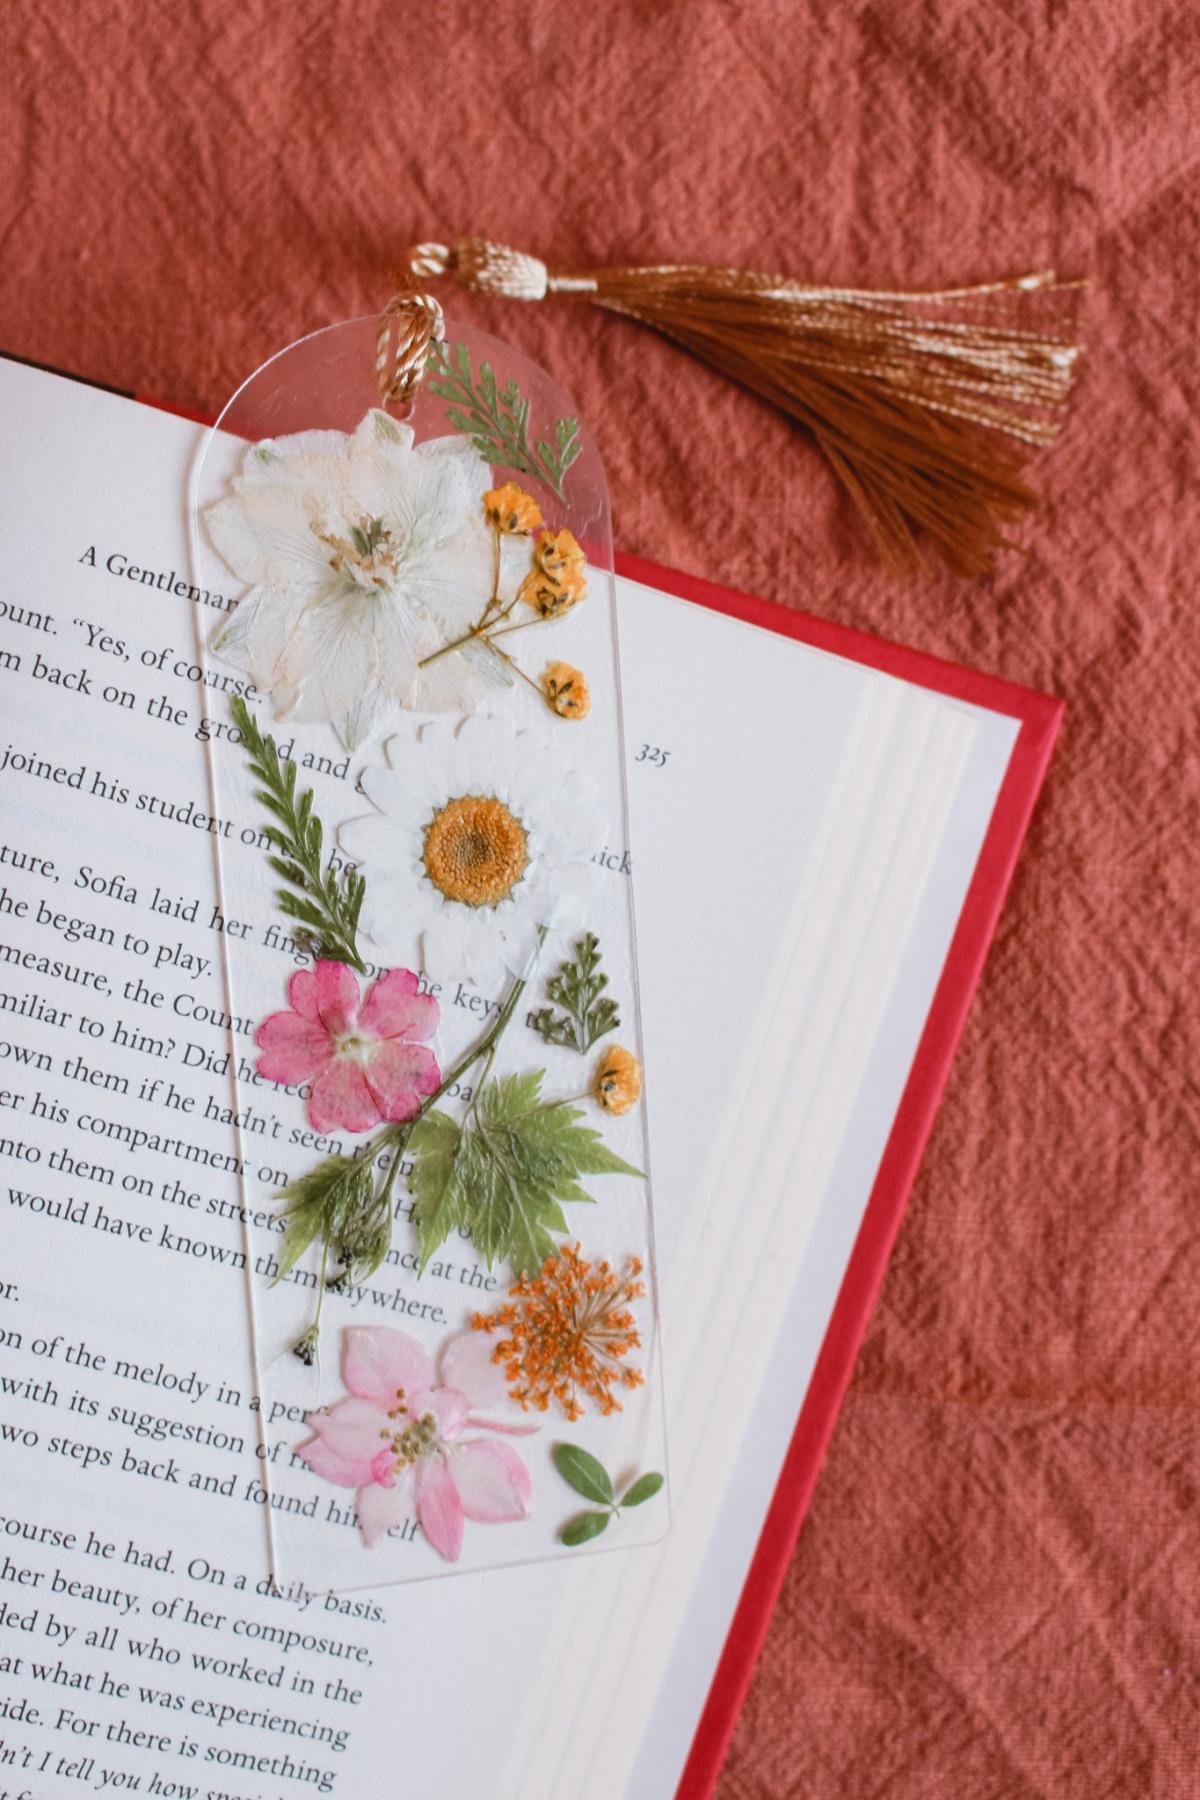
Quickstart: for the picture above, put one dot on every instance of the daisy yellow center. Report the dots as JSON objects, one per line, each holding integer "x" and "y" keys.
{"x": 475, "y": 850}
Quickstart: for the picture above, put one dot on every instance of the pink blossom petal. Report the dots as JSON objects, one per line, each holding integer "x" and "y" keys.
{"x": 438, "y": 1507}
{"x": 474, "y": 1423}
{"x": 493, "y": 1483}
{"x": 379, "y": 1508}
{"x": 345, "y": 1442}
{"x": 393, "y": 1008}
{"x": 400, "y": 1076}
{"x": 377, "y": 1363}
{"x": 294, "y": 1048}
{"x": 340, "y": 1096}
{"x": 467, "y": 1365}
{"x": 448, "y": 1406}
{"x": 337, "y": 996}
{"x": 302, "y": 993}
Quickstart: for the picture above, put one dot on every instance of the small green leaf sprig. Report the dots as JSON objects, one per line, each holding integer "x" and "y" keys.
{"x": 497, "y": 419}
{"x": 588, "y": 1476}
{"x": 588, "y": 1013}
{"x": 325, "y": 903}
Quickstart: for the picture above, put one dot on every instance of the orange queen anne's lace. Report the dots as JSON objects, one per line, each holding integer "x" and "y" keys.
{"x": 569, "y": 1332}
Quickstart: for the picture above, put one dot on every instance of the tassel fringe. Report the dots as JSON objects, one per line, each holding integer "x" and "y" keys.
{"x": 927, "y": 405}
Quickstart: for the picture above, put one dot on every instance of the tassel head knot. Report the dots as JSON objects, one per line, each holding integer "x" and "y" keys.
{"x": 484, "y": 267}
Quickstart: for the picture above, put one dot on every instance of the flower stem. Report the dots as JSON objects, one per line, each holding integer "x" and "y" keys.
{"x": 456, "y": 644}
{"x": 488, "y": 1043}
{"x": 389, "y": 1180}
{"x": 514, "y": 666}
{"x": 495, "y": 599}
{"x": 523, "y": 626}
{"x": 485, "y": 626}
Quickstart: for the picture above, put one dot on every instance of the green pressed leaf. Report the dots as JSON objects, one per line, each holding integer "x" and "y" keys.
{"x": 578, "y": 988}
{"x": 434, "y": 1145}
{"x": 510, "y": 1099}
{"x": 326, "y": 901}
{"x": 584, "y": 1473}
{"x": 496, "y": 419}
{"x": 318, "y": 1204}
{"x": 644, "y": 1488}
{"x": 300, "y": 1228}
{"x": 584, "y": 1527}
{"x": 505, "y": 1176}
{"x": 508, "y": 1199}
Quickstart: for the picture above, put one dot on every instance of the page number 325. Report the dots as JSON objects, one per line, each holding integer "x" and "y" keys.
{"x": 656, "y": 758}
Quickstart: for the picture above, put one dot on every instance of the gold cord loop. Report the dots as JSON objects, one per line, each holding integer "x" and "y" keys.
{"x": 409, "y": 326}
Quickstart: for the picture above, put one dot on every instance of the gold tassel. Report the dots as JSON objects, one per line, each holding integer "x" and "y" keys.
{"x": 927, "y": 405}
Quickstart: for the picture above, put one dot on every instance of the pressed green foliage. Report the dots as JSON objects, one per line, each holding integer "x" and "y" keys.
{"x": 497, "y": 419}
{"x": 325, "y": 903}
{"x": 588, "y": 1013}
{"x": 588, "y": 1476}
{"x": 434, "y": 1146}
{"x": 321, "y": 1204}
{"x": 584, "y": 1473}
{"x": 505, "y": 1174}
{"x": 644, "y": 1488}
{"x": 584, "y": 1527}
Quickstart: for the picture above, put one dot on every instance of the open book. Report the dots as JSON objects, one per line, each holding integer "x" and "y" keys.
{"x": 822, "y": 830}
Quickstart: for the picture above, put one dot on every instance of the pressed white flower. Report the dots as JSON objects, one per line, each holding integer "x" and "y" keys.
{"x": 480, "y": 836}
{"x": 364, "y": 553}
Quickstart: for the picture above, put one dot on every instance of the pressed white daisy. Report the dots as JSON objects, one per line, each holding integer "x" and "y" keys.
{"x": 479, "y": 837}
{"x": 364, "y": 553}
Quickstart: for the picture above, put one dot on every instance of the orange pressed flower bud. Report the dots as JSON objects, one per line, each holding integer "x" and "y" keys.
{"x": 510, "y": 509}
{"x": 618, "y": 1080}
{"x": 551, "y": 595}
{"x": 566, "y": 691}
{"x": 558, "y": 550}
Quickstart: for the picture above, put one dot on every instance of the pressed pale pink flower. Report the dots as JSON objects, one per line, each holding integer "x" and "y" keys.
{"x": 402, "y": 1437}
{"x": 366, "y": 1061}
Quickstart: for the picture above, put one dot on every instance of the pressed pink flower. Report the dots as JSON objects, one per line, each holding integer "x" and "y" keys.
{"x": 366, "y": 1061}
{"x": 401, "y": 1437}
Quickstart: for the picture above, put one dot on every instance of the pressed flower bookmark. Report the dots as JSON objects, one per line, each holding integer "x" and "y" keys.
{"x": 435, "y": 1068}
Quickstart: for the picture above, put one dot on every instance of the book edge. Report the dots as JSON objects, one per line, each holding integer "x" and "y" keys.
{"x": 1040, "y": 717}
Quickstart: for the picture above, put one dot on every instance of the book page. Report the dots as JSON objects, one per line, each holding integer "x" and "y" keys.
{"x": 791, "y": 931}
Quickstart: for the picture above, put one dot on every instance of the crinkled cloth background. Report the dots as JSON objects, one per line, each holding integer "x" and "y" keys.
{"x": 996, "y": 1591}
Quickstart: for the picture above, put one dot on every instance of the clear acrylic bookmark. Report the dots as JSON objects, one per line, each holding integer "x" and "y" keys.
{"x": 434, "y": 1068}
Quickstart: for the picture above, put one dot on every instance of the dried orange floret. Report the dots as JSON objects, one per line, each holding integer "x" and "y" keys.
{"x": 566, "y": 691}
{"x": 556, "y": 551}
{"x": 509, "y": 509}
{"x": 553, "y": 595}
{"x": 569, "y": 1330}
{"x": 618, "y": 1080}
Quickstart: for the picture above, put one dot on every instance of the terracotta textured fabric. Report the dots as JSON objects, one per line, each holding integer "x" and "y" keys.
{"x": 996, "y": 1593}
